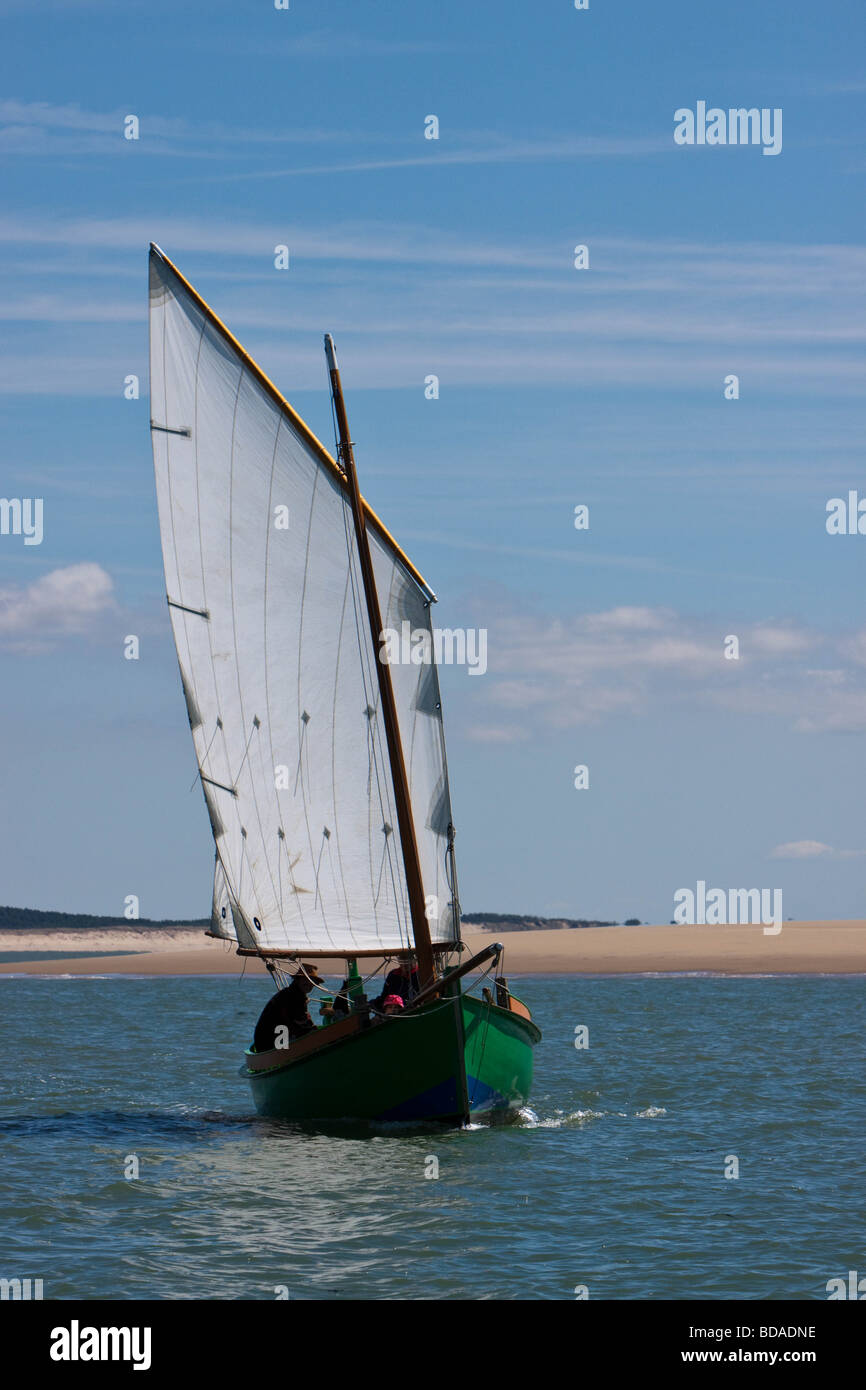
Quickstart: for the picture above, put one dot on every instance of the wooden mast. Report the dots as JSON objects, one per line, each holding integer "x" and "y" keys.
{"x": 405, "y": 819}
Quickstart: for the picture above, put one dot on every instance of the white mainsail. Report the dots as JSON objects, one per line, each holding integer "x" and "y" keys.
{"x": 277, "y": 661}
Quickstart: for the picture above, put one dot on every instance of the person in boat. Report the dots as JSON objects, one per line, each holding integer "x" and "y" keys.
{"x": 341, "y": 1006}
{"x": 392, "y": 1004}
{"x": 288, "y": 1010}
{"x": 402, "y": 980}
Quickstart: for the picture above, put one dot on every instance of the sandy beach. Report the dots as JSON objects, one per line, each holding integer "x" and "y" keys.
{"x": 833, "y": 948}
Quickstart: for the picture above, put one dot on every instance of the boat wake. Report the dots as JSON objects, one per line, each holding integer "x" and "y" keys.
{"x": 563, "y": 1119}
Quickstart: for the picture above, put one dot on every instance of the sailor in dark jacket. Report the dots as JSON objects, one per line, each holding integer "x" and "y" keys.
{"x": 287, "y": 1010}
{"x": 402, "y": 980}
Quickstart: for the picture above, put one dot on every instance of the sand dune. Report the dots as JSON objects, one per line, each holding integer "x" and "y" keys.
{"x": 835, "y": 948}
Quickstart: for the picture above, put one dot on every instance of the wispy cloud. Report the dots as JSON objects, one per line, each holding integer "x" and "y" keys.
{"x": 41, "y": 128}
{"x": 500, "y": 152}
{"x": 409, "y": 299}
{"x": 842, "y": 86}
{"x": 333, "y": 44}
{"x": 46, "y": 308}
{"x": 63, "y": 130}
{"x": 560, "y": 673}
{"x": 48, "y": 6}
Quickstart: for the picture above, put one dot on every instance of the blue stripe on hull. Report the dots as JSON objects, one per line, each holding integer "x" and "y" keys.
{"x": 484, "y": 1097}
{"x": 439, "y": 1102}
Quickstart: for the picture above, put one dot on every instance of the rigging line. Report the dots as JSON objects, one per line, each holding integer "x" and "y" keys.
{"x": 375, "y": 971}
{"x": 256, "y": 725}
{"x": 258, "y": 909}
{"x": 386, "y": 810}
{"x": 291, "y": 865}
{"x": 481, "y": 1058}
{"x": 300, "y": 708}
{"x": 365, "y": 978}
{"x": 391, "y": 856}
{"x": 229, "y": 893}
{"x": 321, "y": 989}
{"x": 280, "y": 881}
{"x": 193, "y": 681}
{"x": 168, "y": 454}
{"x": 309, "y": 837}
{"x": 388, "y": 817}
{"x": 194, "y": 686}
{"x": 298, "y": 891}
{"x": 326, "y": 839}
{"x": 335, "y": 427}
{"x": 299, "y": 964}
{"x": 393, "y": 861}
{"x": 265, "y": 653}
{"x": 171, "y": 510}
{"x": 413, "y": 1017}
{"x": 243, "y": 847}
{"x": 381, "y": 868}
{"x": 204, "y": 756}
{"x": 301, "y": 622}
{"x": 410, "y": 751}
{"x": 407, "y": 753}
{"x": 276, "y": 974}
{"x": 266, "y": 778}
{"x": 347, "y": 589}
{"x": 339, "y": 862}
{"x": 245, "y": 863}
{"x": 452, "y": 883}
{"x": 337, "y": 889}
{"x": 237, "y": 664}
{"x": 241, "y": 874}
{"x": 488, "y": 1004}
{"x": 301, "y": 741}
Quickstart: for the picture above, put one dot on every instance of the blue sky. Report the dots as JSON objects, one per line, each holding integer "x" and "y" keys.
{"x": 558, "y": 387}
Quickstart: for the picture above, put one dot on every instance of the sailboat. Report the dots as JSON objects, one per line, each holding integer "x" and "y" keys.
{"x": 321, "y": 761}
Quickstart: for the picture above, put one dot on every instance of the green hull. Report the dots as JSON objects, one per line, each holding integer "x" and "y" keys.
{"x": 448, "y": 1060}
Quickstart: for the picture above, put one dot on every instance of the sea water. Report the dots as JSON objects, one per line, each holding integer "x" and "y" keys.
{"x": 705, "y": 1140}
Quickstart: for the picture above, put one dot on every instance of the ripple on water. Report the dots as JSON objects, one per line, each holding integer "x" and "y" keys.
{"x": 228, "y": 1205}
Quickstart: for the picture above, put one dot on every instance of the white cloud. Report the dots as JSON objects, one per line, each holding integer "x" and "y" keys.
{"x": 778, "y": 641}
{"x": 627, "y": 619}
{"x": 801, "y": 849}
{"x": 813, "y": 849}
{"x": 558, "y": 673}
{"x": 856, "y": 647}
{"x": 63, "y": 602}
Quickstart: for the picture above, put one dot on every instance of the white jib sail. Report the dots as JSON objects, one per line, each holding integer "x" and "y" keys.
{"x": 276, "y": 659}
